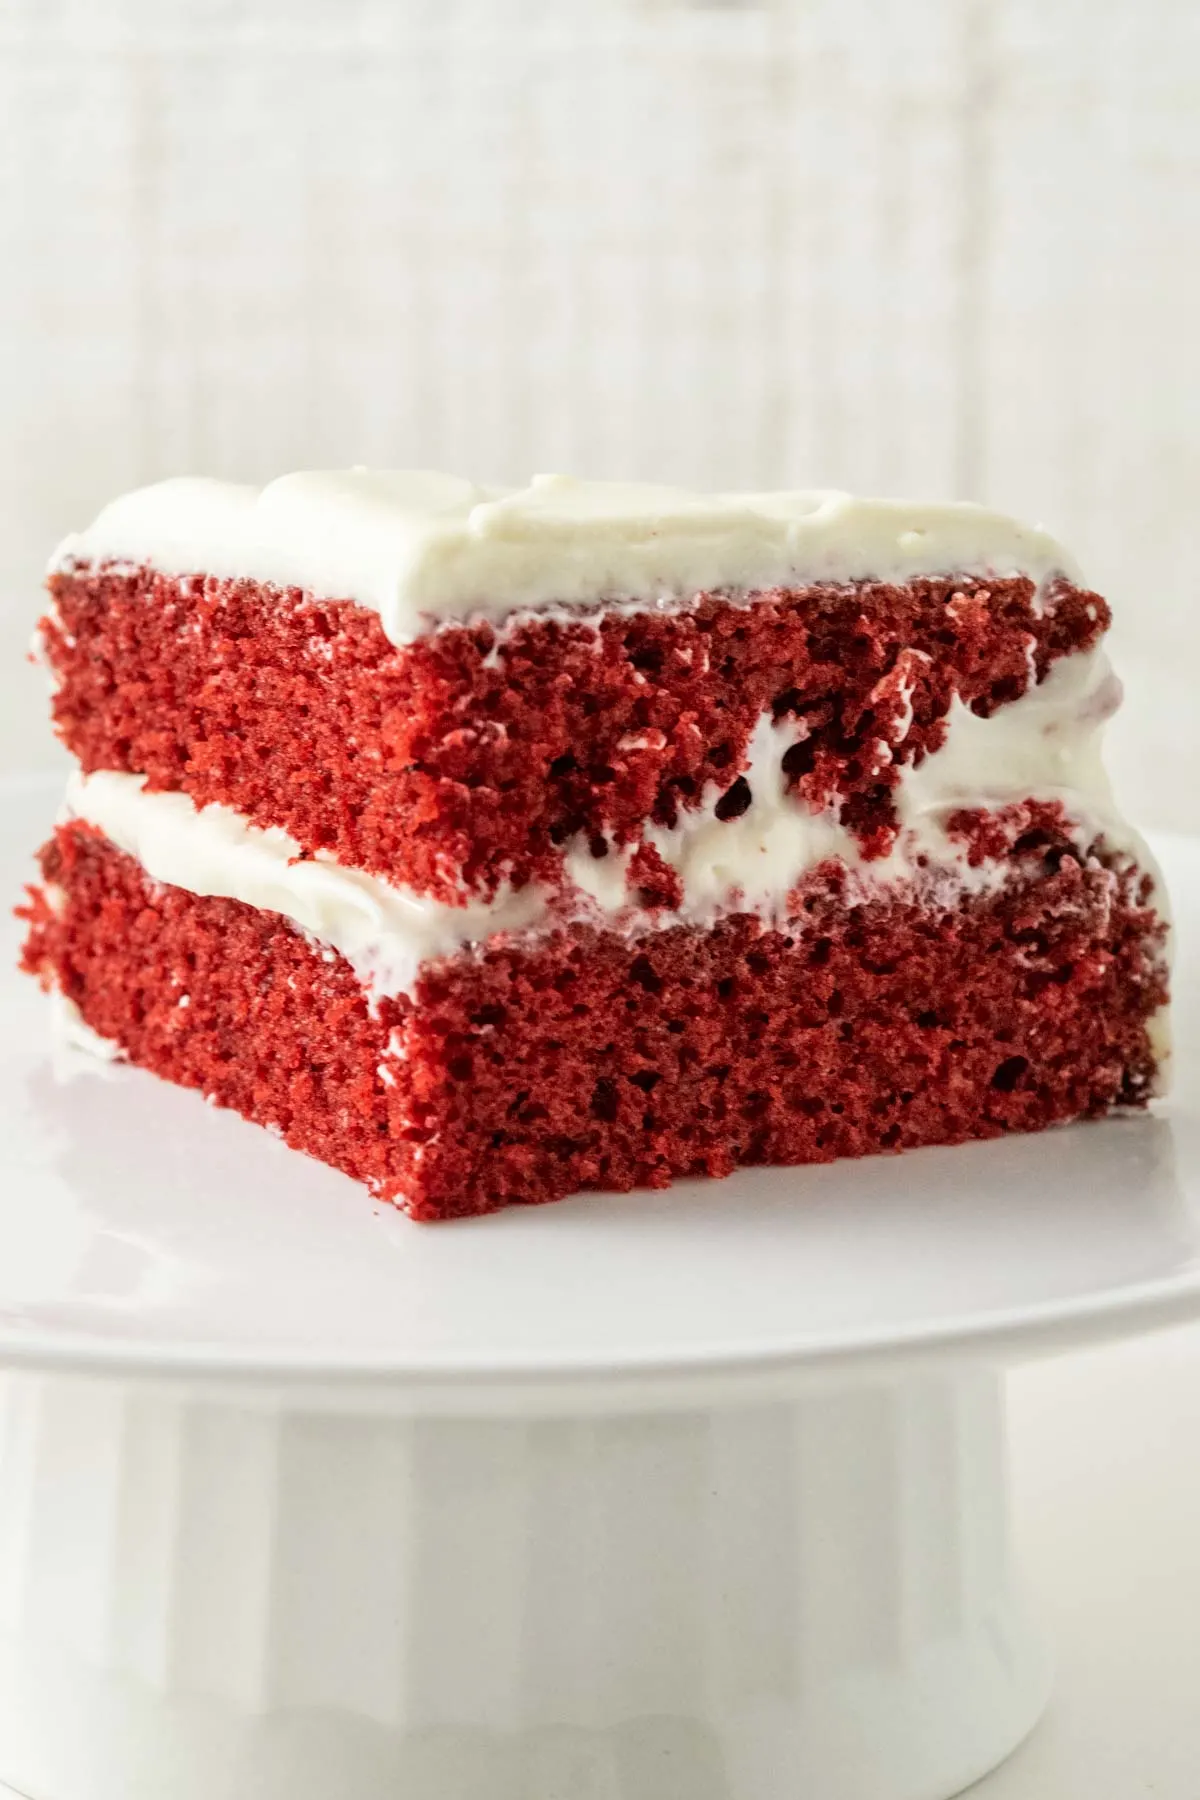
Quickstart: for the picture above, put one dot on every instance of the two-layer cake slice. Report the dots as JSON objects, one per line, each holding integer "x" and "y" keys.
{"x": 492, "y": 845}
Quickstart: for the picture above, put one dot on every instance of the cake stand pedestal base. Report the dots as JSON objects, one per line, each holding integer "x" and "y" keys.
{"x": 807, "y": 1598}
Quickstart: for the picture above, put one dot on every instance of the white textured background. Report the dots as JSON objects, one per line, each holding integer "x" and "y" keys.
{"x": 932, "y": 247}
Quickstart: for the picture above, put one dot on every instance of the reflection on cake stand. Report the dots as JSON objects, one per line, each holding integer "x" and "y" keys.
{"x": 684, "y": 1496}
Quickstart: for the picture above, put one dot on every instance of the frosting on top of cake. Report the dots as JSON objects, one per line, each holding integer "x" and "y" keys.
{"x": 422, "y": 548}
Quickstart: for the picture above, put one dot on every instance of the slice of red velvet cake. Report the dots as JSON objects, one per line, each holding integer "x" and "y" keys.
{"x": 491, "y": 845}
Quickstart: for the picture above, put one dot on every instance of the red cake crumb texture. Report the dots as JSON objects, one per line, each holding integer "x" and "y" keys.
{"x": 526, "y": 1072}
{"x": 472, "y": 756}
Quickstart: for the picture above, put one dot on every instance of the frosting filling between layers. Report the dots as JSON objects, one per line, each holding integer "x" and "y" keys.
{"x": 1044, "y": 746}
{"x": 421, "y": 548}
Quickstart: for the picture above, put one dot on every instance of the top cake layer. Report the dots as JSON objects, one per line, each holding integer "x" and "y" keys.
{"x": 420, "y": 548}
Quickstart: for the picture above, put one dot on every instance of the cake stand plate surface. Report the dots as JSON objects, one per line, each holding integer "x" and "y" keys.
{"x": 683, "y": 1496}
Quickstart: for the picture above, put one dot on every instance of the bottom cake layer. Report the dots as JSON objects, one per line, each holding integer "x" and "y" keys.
{"x": 586, "y": 1060}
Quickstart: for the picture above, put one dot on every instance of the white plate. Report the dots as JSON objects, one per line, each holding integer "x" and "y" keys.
{"x": 143, "y": 1231}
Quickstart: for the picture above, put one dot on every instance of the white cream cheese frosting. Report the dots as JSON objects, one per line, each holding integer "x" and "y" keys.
{"x": 384, "y": 931}
{"x": 1044, "y": 745}
{"x": 422, "y": 548}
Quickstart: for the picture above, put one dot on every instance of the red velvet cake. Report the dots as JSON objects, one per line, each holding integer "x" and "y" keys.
{"x": 492, "y": 845}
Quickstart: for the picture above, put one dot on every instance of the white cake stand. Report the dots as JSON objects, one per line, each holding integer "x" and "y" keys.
{"x": 695, "y": 1496}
